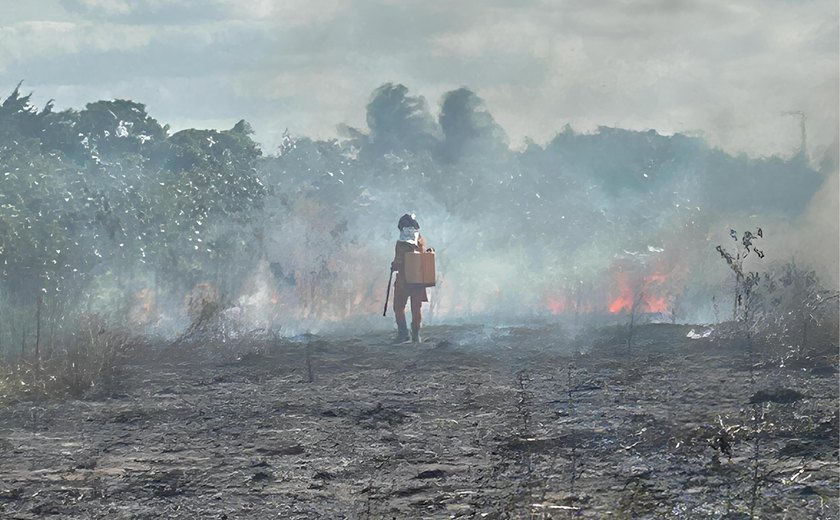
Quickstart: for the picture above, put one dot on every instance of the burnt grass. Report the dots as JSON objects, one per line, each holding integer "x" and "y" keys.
{"x": 477, "y": 422}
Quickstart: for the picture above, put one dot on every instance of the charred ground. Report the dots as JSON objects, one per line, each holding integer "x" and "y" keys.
{"x": 478, "y": 422}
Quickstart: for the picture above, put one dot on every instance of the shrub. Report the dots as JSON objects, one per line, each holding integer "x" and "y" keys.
{"x": 90, "y": 365}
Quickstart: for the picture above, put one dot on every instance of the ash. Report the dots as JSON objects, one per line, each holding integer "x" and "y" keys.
{"x": 517, "y": 422}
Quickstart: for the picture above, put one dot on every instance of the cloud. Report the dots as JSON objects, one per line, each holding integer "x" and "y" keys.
{"x": 191, "y": 12}
{"x": 105, "y": 8}
{"x": 147, "y": 12}
{"x": 96, "y": 54}
{"x": 724, "y": 70}
{"x": 288, "y": 13}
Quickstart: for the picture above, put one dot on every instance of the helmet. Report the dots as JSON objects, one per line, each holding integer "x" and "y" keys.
{"x": 408, "y": 221}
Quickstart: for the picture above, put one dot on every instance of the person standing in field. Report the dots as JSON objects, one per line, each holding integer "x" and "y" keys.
{"x": 409, "y": 241}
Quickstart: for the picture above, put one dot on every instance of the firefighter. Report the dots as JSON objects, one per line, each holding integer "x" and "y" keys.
{"x": 410, "y": 240}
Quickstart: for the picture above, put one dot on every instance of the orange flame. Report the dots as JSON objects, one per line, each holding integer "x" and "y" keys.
{"x": 621, "y": 303}
{"x": 650, "y": 301}
{"x": 656, "y": 304}
{"x": 556, "y": 306}
{"x": 618, "y": 293}
{"x": 143, "y": 308}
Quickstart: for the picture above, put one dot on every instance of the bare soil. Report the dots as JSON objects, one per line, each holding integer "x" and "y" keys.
{"x": 476, "y": 422}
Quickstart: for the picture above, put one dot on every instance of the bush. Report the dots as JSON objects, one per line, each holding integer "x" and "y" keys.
{"x": 89, "y": 366}
{"x": 796, "y": 316}
{"x": 93, "y": 361}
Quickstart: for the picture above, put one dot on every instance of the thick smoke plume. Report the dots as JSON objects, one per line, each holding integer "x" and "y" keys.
{"x": 168, "y": 229}
{"x": 579, "y": 226}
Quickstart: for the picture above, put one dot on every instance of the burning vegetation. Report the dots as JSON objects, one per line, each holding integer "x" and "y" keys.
{"x": 583, "y": 289}
{"x": 103, "y": 205}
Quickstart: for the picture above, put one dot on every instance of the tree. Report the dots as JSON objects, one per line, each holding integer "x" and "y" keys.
{"x": 467, "y": 126}
{"x": 399, "y": 122}
{"x": 113, "y": 129}
{"x": 34, "y": 220}
{"x": 208, "y": 182}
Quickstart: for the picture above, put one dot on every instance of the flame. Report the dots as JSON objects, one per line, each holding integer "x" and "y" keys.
{"x": 656, "y": 304}
{"x": 656, "y": 278}
{"x": 651, "y": 301}
{"x": 624, "y": 300}
{"x": 143, "y": 308}
{"x": 556, "y": 306}
{"x": 621, "y": 303}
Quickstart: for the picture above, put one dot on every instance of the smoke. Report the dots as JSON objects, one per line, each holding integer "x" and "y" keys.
{"x": 584, "y": 225}
{"x": 588, "y": 226}
{"x": 814, "y": 237}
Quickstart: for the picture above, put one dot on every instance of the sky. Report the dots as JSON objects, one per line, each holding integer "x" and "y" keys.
{"x": 730, "y": 71}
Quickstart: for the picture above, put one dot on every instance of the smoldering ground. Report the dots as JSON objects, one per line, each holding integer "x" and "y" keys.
{"x": 303, "y": 235}
{"x": 484, "y": 422}
{"x": 218, "y": 313}
{"x": 535, "y": 231}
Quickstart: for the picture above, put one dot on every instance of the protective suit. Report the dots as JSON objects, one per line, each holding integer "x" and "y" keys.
{"x": 409, "y": 241}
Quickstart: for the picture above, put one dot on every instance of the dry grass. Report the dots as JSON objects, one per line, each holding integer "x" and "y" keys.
{"x": 89, "y": 365}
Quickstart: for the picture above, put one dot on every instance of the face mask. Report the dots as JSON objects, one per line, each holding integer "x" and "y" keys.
{"x": 409, "y": 234}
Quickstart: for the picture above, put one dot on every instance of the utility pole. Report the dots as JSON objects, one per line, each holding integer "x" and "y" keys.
{"x": 803, "y": 143}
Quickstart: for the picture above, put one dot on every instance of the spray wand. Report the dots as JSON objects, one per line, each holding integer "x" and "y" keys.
{"x": 388, "y": 292}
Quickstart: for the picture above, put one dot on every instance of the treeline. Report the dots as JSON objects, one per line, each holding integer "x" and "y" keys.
{"x": 563, "y": 194}
{"x": 99, "y": 204}
{"x": 92, "y": 199}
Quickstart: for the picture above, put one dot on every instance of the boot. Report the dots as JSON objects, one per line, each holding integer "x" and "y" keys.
{"x": 402, "y": 333}
{"x": 415, "y": 334}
